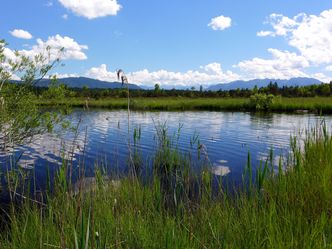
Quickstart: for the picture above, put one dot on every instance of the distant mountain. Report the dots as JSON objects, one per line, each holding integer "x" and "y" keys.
{"x": 166, "y": 87}
{"x": 146, "y": 87}
{"x": 300, "y": 81}
{"x": 79, "y": 82}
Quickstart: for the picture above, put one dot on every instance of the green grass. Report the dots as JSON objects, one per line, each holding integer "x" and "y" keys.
{"x": 287, "y": 210}
{"x": 314, "y": 104}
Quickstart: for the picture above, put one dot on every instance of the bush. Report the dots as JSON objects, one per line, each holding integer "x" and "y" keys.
{"x": 261, "y": 102}
{"x": 20, "y": 116}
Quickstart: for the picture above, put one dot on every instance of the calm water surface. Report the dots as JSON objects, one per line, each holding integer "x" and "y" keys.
{"x": 227, "y": 136}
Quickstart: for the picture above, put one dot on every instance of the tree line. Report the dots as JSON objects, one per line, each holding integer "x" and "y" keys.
{"x": 56, "y": 88}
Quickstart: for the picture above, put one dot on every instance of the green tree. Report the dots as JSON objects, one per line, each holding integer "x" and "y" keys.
{"x": 56, "y": 90}
{"x": 156, "y": 88}
{"x": 255, "y": 90}
{"x": 20, "y": 117}
{"x": 85, "y": 91}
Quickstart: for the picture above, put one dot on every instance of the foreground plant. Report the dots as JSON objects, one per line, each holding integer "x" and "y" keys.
{"x": 124, "y": 80}
{"x": 20, "y": 117}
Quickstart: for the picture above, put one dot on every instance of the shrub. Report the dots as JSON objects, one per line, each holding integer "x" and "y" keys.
{"x": 20, "y": 117}
{"x": 261, "y": 102}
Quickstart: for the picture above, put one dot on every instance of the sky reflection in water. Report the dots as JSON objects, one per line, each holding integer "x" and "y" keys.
{"x": 227, "y": 138}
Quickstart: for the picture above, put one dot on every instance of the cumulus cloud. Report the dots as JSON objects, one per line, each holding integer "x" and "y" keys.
{"x": 20, "y": 33}
{"x": 220, "y": 23}
{"x": 265, "y": 33}
{"x": 213, "y": 68}
{"x": 65, "y": 75}
{"x": 92, "y": 9}
{"x": 209, "y": 74}
{"x": 283, "y": 65}
{"x": 71, "y": 49}
{"x": 311, "y": 35}
{"x": 9, "y": 54}
{"x": 322, "y": 77}
{"x": 101, "y": 73}
{"x": 281, "y": 24}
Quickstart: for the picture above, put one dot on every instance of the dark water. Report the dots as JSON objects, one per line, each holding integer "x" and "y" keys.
{"x": 102, "y": 139}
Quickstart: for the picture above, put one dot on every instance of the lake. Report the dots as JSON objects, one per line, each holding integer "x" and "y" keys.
{"x": 102, "y": 139}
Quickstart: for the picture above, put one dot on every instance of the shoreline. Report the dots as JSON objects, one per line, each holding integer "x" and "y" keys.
{"x": 316, "y": 105}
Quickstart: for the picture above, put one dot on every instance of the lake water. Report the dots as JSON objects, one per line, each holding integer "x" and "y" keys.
{"x": 102, "y": 139}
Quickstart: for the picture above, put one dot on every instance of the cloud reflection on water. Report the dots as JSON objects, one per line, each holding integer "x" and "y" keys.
{"x": 227, "y": 136}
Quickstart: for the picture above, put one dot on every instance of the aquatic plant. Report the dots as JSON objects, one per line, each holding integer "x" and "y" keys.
{"x": 124, "y": 80}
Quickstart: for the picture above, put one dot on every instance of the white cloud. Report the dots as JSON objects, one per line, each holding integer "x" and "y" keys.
{"x": 20, "y": 33}
{"x": 101, "y": 73}
{"x": 283, "y": 65}
{"x": 9, "y": 54}
{"x": 311, "y": 35}
{"x": 14, "y": 77}
{"x": 209, "y": 74}
{"x": 220, "y": 23}
{"x": 265, "y": 33}
{"x": 92, "y": 9}
{"x": 282, "y": 25}
{"x": 72, "y": 50}
{"x": 322, "y": 77}
{"x": 328, "y": 68}
{"x": 65, "y": 75}
{"x": 213, "y": 68}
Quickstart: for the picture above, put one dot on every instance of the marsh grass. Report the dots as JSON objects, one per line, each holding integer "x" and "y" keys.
{"x": 280, "y": 104}
{"x": 287, "y": 209}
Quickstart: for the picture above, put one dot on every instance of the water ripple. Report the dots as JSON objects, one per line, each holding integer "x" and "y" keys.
{"x": 227, "y": 137}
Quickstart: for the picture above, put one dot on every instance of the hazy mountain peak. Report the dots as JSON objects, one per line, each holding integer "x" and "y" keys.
{"x": 242, "y": 84}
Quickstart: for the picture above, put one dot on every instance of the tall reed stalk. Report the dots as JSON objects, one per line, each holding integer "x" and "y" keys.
{"x": 124, "y": 80}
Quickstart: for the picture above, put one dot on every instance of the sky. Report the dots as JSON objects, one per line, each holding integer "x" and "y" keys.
{"x": 175, "y": 42}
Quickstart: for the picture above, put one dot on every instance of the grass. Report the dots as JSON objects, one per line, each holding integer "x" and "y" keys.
{"x": 292, "y": 209}
{"x": 314, "y": 104}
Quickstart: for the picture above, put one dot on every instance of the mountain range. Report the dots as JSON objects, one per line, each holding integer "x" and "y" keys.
{"x": 80, "y": 82}
{"x": 241, "y": 84}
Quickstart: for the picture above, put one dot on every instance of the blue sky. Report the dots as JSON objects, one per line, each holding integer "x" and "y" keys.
{"x": 176, "y": 42}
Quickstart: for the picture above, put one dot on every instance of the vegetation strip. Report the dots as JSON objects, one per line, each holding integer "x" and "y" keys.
{"x": 280, "y": 104}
